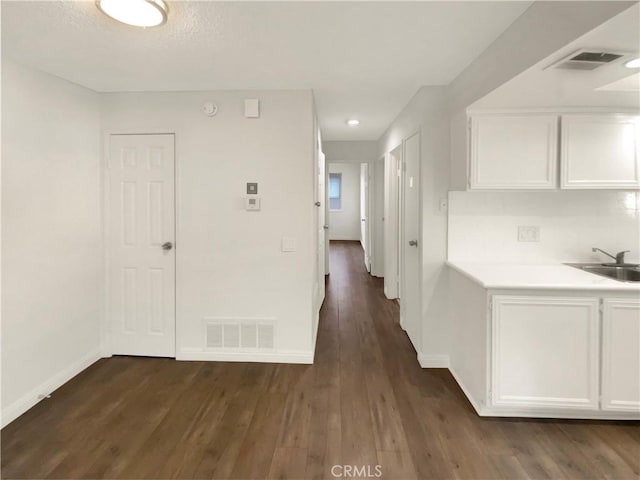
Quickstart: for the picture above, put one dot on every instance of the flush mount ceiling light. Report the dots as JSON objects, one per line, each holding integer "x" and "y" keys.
{"x": 353, "y": 122}
{"x": 635, "y": 63}
{"x": 139, "y": 13}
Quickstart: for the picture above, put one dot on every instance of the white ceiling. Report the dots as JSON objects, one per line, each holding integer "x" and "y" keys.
{"x": 362, "y": 59}
{"x": 612, "y": 85}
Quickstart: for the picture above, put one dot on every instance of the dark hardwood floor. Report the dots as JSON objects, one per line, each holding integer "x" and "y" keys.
{"x": 364, "y": 402}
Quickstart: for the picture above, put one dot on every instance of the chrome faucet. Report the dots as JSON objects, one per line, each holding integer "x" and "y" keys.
{"x": 618, "y": 257}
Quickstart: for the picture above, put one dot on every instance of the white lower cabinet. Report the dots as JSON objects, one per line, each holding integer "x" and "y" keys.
{"x": 545, "y": 352}
{"x": 621, "y": 355}
{"x": 554, "y": 353}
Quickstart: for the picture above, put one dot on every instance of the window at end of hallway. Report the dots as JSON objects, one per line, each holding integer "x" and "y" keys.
{"x": 335, "y": 191}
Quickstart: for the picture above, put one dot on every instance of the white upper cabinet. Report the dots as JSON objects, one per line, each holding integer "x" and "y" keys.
{"x": 513, "y": 152}
{"x": 600, "y": 151}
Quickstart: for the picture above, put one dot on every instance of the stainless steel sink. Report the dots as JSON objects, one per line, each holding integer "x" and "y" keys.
{"x": 623, "y": 273}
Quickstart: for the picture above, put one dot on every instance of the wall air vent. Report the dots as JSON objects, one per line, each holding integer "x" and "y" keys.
{"x": 587, "y": 59}
{"x": 239, "y": 333}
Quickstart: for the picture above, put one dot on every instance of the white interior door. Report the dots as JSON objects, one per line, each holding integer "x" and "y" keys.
{"x": 376, "y": 224}
{"x": 140, "y": 244}
{"x": 322, "y": 231}
{"x": 410, "y": 310}
{"x": 327, "y": 257}
{"x": 392, "y": 222}
{"x": 364, "y": 213}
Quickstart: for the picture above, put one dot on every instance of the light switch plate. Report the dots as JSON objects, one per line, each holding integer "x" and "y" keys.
{"x": 252, "y": 108}
{"x": 528, "y": 234}
{"x": 288, "y": 244}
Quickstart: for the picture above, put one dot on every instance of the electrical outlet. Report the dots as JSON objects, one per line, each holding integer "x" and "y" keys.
{"x": 528, "y": 234}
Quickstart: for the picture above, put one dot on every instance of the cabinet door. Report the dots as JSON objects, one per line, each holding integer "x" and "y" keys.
{"x": 545, "y": 352}
{"x": 621, "y": 355}
{"x": 511, "y": 152}
{"x": 600, "y": 151}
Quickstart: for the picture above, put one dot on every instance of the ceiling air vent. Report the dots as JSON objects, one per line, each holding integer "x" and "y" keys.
{"x": 587, "y": 59}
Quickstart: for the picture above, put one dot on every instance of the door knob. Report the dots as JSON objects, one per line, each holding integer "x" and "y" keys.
{"x": 167, "y": 246}
{"x": 413, "y": 243}
{"x": 326, "y": 227}
{"x": 318, "y": 204}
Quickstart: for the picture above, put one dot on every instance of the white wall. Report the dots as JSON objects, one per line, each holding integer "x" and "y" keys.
{"x": 344, "y": 224}
{"x": 425, "y": 113}
{"x": 51, "y": 234}
{"x": 229, "y": 261}
{"x": 483, "y": 226}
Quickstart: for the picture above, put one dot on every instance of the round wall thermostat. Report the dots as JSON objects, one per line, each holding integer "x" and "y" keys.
{"x": 209, "y": 109}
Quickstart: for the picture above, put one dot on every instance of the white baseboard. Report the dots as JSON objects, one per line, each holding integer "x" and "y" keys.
{"x": 541, "y": 413}
{"x": 24, "y": 403}
{"x": 279, "y": 356}
{"x": 433, "y": 361}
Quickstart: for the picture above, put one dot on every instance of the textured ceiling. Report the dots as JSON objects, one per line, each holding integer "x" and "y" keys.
{"x": 362, "y": 59}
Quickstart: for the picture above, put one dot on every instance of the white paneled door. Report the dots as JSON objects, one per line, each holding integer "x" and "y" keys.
{"x": 410, "y": 287}
{"x": 322, "y": 231}
{"x": 391, "y": 219}
{"x": 140, "y": 243}
{"x": 364, "y": 214}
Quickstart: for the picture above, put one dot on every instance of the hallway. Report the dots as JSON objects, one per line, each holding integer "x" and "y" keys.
{"x": 364, "y": 402}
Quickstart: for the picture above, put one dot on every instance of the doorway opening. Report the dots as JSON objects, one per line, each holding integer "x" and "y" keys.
{"x": 349, "y": 210}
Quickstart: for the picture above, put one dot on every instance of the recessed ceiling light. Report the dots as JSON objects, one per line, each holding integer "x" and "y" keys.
{"x": 635, "y": 63}
{"x": 139, "y": 13}
{"x": 353, "y": 122}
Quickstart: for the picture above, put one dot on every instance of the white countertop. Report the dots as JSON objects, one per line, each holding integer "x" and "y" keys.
{"x": 546, "y": 277}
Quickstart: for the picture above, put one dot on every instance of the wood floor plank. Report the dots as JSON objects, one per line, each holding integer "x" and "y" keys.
{"x": 364, "y": 402}
{"x": 256, "y": 453}
{"x": 358, "y": 444}
{"x": 535, "y": 460}
{"x": 601, "y": 455}
{"x": 507, "y": 467}
{"x": 325, "y": 430}
{"x": 289, "y": 463}
{"x": 222, "y": 451}
{"x": 572, "y": 462}
{"x": 621, "y": 439}
{"x": 294, "y": 432}
{"x": 69, "y": 436}
{"x": 178, "y": 417}
{"x": 395, "y": 465}
{"x": 187, "y": 453}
